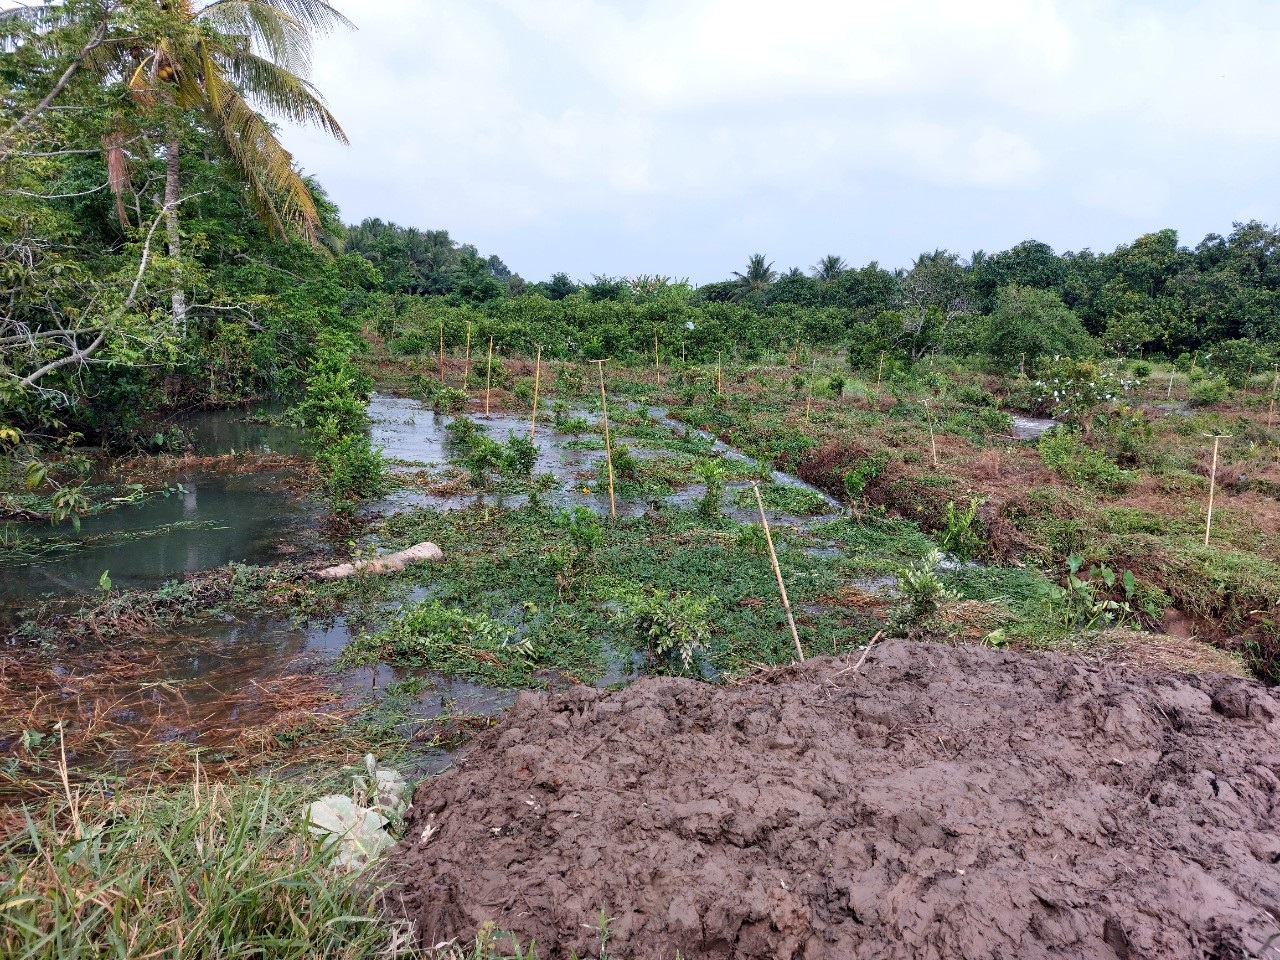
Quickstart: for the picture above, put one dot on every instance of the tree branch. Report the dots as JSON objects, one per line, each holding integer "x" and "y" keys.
{"x": 95, "y": 40}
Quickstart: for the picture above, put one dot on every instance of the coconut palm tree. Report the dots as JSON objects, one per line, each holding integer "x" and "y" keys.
{"x": 829, "y": 268}
{"x": 215, "y": 58}
{"x": 758, "y": 276}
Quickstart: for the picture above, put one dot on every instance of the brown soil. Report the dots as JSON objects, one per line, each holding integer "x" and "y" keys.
{"x": 937, "y": 802}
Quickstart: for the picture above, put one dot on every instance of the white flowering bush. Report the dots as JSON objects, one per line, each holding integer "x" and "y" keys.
{"x": 1070, "y": 389}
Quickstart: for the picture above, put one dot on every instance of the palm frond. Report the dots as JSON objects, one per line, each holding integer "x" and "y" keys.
{"x": 279, "y": 194}
{"x": 282, "y": 93}
{"x": 316, "y": 15}
{"x": 277, "y": 35}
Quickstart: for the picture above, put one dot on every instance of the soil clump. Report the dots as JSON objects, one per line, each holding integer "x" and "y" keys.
{"x": 939, "y": 801}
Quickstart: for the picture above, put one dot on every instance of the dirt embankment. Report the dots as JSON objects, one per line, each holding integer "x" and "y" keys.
{"x": 939, "y": 802}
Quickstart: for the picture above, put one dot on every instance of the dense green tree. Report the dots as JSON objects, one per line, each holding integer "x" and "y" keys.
{"x": 1034, "y": 324}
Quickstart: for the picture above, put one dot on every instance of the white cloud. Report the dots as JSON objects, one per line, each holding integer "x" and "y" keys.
{"x": 514, "y": 123}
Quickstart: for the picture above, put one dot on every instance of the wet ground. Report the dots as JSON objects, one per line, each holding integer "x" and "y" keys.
{"x": 204, "y": 680}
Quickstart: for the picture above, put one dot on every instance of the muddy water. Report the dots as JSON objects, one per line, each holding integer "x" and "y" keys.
{"x": 1030, "y": 428}
{"x": 206, "y": 520}
{"x": 211, "y": 521}
{"x": 212, "y": 677}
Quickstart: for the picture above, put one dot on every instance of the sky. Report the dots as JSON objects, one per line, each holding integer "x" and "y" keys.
{"x": 678, "y": 137}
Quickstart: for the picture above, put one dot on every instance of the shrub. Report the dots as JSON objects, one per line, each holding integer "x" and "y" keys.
{"x": 520, "y": 455}
{"x": 712, "y": 473}
{"x": 959, "y": 536}
{"x": 671, "y": 626}
{"x": 858, "y": 476}
{"x": 351, "y": 469}
{"x": 481, "y": 455}
{"x": 1063, "y": 449}
{"x": 625, "y": 464}
{"x": 1034, "y": 322}
{"x": 923, "y": 593}
{"x": 449, "y": 400}
{"x": 1142, "y": 370}
{"x": 1126, "y": 435}
{"x": 1207, "y": 392}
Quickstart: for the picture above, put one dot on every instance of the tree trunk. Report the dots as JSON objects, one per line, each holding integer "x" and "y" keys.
{"x": 171, "y": 187}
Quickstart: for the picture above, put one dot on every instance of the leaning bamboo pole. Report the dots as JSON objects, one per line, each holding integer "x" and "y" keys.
{"x": 488, "y": 378}
{"x": 933, "y": 442}
{"x": 442, "y": 353}
{"x": 537, "y": 376}
{"x": 1213, "y": 481}
{"x": 608, "y": 444}
{"x": 777, "y": 572}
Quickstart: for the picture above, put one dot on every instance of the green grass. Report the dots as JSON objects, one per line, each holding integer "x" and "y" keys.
{"x": 223, "y": 871}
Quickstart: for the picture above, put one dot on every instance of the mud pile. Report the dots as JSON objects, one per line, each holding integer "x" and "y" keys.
{"x": 938, "y": 802}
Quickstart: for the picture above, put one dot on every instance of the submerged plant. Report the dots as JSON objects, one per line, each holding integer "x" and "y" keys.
{"x": 672, "y": 626}
{"x": 712, "y": 473}
{"x": 959, "y": 536}
{"x": 923, "y": 592}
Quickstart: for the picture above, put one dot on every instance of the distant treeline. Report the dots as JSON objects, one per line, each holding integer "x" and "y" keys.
{"x": 1150, "y": 297}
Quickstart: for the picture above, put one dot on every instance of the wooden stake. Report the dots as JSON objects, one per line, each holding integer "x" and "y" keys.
{"x": 488, "y": 377}
{"x": 808, "y": 405}
{"x": 777, "y": 571}
{"x": 1271, "y": 414}
{"x": 657, "y": 372}
{"x": 933, "y": 443}
{"x": 717, "y": 373}
{"x": 880, "y": 371}
{"x": 442, "y": 353}
{"x": 608, "y": 445}
{"x": 1169, "y": 395}
{"x": 1213, "y": 478}
{"x": 537, "y": 374}
{"x": 1022, "y": 366}
{"x": 466, "y": 363}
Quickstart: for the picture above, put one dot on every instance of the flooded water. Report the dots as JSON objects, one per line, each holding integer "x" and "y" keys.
{"x": 211, "y": 521}
{"x": 1030, "y": 428}
{"x": 412, "y": 436}
{"x": 226, "y": 675}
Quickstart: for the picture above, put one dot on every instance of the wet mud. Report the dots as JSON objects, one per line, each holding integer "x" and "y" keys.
{"x": 936, "y": 802}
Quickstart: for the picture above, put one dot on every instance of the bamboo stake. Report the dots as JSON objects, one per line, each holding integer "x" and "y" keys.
{"x": 1169, "y": 395}
{"x": 717, "y": 373}
{"x": 1213, "y": 478}
{"x": 466, "y": 363}
{"x": 933, "y": 442}
{"x": 488, "y": 378}
{"x": 537, "y": 374}
{"x": 808, "y": 405}
{"x": 1022, "y": 366}
{"x": 777, "y": 571}
{"x": 1271, "y": 414}
{"x": 657, "y": 372}
{"x": 442, "y": 353}
{"x": 880, "y": 371}
{"x": 608, "y": 444}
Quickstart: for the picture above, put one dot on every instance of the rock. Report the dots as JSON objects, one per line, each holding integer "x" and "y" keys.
{"x": 391, "y": 563}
